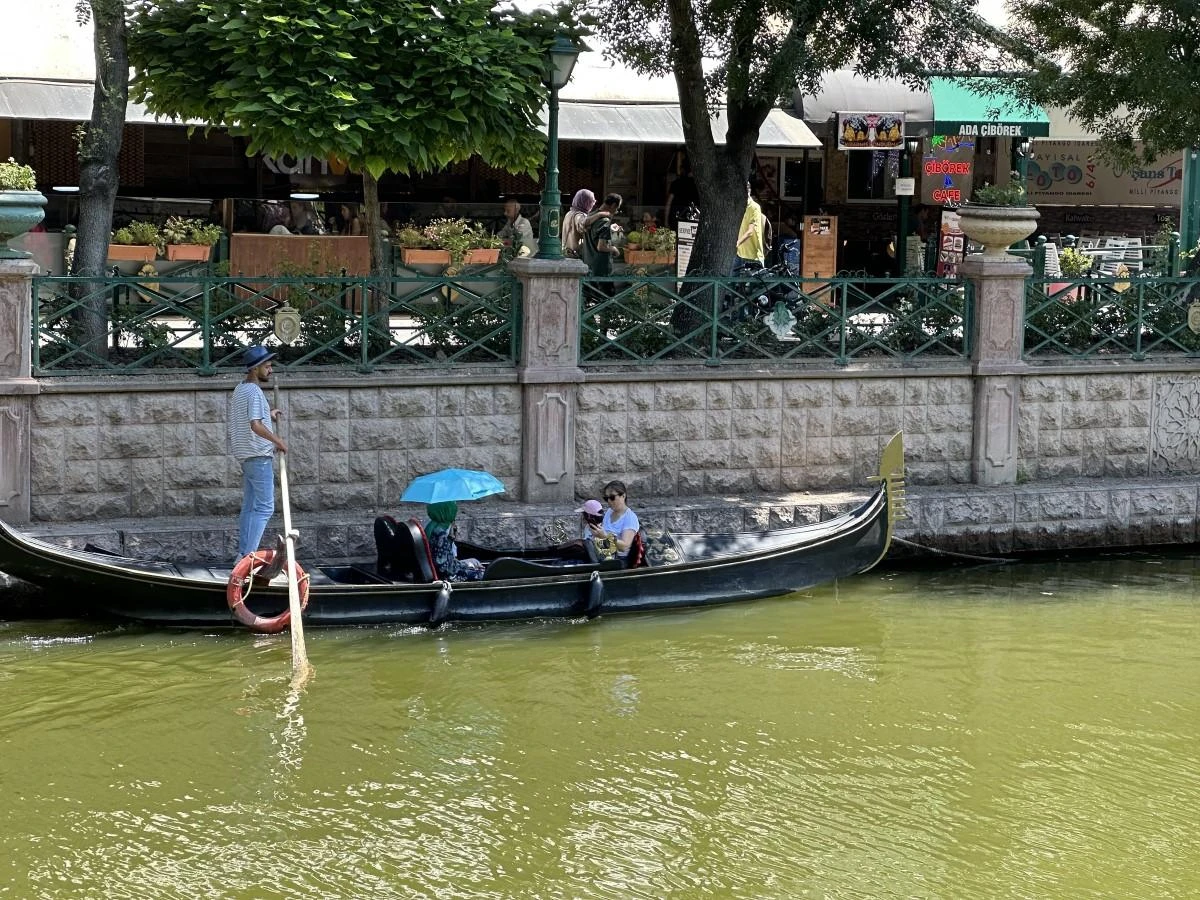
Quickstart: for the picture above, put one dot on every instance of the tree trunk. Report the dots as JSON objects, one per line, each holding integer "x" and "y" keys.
{"x": 98, "y": 175}
{"x": 379, "y": 264}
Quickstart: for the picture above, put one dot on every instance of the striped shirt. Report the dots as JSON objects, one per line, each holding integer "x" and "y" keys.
{"x": 247, "y": 404}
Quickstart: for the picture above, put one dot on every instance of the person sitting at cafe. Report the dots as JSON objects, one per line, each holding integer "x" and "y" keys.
{"x": 351, "y": 223}
{"x": 283, "y": 222}
{"x": 441, "y": 544}
{"x": 517, "y": 232}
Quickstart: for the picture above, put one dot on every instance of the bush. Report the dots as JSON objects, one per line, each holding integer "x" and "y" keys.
{"x": 16, "y": 177}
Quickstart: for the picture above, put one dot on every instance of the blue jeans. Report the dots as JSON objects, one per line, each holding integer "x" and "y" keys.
{"x": 258, "y": 502}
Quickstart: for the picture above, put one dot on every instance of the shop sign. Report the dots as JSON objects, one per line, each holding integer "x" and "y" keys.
{"x": 947, "y": 170}
{"x": 1070, "y": 173}
{"x": 293, "y": 165}
{"x": 870, "y": 130}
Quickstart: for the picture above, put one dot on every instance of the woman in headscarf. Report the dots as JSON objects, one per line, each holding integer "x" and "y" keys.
{"x": 572, "y": 223}
{"x": 441, "y": 544}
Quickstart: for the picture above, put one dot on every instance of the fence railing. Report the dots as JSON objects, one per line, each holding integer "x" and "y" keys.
{"x": 718, "y": 321}
{"x": 203, "y": 323}
{"x": 1113, "y": 317}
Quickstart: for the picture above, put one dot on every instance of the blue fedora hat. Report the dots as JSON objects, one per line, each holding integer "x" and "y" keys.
{"x": 256, "y": 356}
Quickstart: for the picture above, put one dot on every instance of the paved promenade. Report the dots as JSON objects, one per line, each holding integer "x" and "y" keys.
{"x": 1060, "y": 515}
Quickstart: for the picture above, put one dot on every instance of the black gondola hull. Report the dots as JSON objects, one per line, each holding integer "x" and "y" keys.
{"x": 714, "y": 569}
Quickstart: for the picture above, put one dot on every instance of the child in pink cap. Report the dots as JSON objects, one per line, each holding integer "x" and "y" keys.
{"x": 591, "y": 513}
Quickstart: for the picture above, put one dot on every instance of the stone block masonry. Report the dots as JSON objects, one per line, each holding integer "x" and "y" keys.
{"x": 1001, "y": 453}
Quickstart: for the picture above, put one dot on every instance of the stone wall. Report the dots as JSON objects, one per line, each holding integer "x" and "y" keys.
{"x": 1128, "y": 425}
{"x": 762, "y": 433}
{"x": 152, "y": 450}
{"x": 95, "y": 448}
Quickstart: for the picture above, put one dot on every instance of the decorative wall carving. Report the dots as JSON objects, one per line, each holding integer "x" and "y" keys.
{"x": 555, "y": 334}
{"x": 14, "y": 462}
{"x": 1175, "y": 426}
{"x": 551, "y": 440}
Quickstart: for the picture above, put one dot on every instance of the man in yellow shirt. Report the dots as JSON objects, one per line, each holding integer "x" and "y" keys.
{"x": 752, "y": 236}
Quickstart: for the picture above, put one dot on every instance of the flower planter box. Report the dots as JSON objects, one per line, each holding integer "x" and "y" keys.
{"x": 196, "y": 252}
{"x": 139, "y": 252}
{"x": 412, "y": 256}
{"x": 482, "y": 257}
{"x": 648, "y": 258}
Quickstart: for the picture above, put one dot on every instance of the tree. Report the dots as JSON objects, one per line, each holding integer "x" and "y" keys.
{"x": 99, "y": 147}
{"x": 1125, "y": 71}
{"x": 406, "y": 85}
{"x": 753, "y": 53}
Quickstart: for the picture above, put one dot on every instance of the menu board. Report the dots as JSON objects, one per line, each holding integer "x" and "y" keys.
{"x": 818, "y": 258}
{"x": 952, "y": 244}
{"x": 685, "y": 239}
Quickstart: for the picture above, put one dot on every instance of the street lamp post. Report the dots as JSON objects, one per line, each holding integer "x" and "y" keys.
{"x": 907, "y": 152}
{"x": 1024, "y": 151}
{"x": 560, "y": 63}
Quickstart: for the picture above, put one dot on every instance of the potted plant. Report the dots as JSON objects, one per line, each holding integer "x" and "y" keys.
{"x": 189, "y": 239}
{"x": 998, "y": 216}
{"x": 416, "y": 248}
{"x": 633, "y": 240}
{"x": 656, "y": 247}
{"x": 136, "y": 241}
{"x": 20, "y": 205}
{"x": 484, "y": 247}
{"x": 1074, "y": 265}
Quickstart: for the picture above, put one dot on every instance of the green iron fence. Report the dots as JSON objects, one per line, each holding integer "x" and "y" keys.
{"x": 1110, "y": 317}
{"x": 638, "y": 319}
{"x": 129, "y": 325}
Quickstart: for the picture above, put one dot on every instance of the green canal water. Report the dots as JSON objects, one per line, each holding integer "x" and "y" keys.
{"x": 1028, "y": 731}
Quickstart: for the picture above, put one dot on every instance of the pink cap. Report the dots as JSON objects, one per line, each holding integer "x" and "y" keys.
{"x": 591, "y": 507}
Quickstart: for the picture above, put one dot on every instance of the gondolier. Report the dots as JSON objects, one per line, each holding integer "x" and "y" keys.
{"x": 253, "y": 443}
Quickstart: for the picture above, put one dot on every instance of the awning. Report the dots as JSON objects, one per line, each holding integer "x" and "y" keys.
{"x": 961, "y": 107}
{"x": 662, "y": 123}
{"x": 64, "y": 101}
{"x": 846, "y": 91}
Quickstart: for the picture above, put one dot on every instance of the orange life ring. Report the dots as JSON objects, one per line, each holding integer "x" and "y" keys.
{"x": 240, "y": 581}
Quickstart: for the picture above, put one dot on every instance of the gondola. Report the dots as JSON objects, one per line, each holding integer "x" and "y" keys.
{"x": 682, "y": 570}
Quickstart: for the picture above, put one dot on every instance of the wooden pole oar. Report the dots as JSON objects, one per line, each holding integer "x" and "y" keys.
{"x": 301, "y": 668}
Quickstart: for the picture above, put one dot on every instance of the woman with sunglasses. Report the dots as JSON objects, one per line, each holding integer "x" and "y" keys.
{"x": 620, "y": 523}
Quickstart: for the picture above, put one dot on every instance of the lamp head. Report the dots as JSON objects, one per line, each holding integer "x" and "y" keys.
{"x": 561, "y": 62}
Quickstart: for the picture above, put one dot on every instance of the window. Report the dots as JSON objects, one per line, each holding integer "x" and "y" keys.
{"x": 802, "y": 180}
{"x": 871, "y": 174}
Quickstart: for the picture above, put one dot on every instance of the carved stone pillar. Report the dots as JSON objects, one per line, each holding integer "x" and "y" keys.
{"x": 16, "y": 387}
{"x": 549, "y": 371}
{"x": 996, "y": 356}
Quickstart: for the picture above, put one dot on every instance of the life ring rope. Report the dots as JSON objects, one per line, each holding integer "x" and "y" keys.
{"x": 241, "y": 583}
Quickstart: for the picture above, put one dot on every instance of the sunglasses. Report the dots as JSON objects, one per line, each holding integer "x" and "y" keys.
{"x": 611, "y": 497}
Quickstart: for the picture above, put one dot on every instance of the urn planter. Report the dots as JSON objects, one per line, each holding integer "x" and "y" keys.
{"x": 19, "y": 211}
{"x": 997, "y": 227}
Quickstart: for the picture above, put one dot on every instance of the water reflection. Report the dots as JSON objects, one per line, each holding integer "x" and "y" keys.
{"x": 1027, "y": 731}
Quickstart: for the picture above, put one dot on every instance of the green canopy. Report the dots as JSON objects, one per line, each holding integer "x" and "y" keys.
{"x": 984, "y": 107}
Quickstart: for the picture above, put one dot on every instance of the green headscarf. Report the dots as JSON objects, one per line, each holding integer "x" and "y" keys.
{"x": 443, "y": 513}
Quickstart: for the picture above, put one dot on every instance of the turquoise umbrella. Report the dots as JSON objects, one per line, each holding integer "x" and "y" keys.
{"x": 451, "y": 484}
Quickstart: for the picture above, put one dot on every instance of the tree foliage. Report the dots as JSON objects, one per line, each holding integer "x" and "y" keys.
{"x": 1125, "y": 71}
{"x": 405, "y": 85}
{"x": 751, "y": 54}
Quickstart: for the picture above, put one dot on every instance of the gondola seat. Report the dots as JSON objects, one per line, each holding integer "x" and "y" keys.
{"x": 402, "y": 551}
